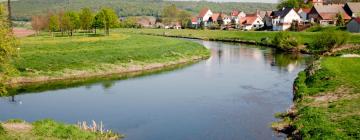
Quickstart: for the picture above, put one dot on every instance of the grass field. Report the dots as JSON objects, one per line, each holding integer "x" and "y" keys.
{"x": 303, "y": 37}
{"x": 48, "y": 129}
{"x": 55, "y": 56}
{"x": 328, "y": 101}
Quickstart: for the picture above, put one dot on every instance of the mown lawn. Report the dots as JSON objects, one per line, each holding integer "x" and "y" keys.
{"x": 47, "y": 55}
{"x": 328, "y": 102}
{"x": 304, "y": 37}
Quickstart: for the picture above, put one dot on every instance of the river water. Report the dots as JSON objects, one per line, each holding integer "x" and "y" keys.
{"x": 233, "y": 95}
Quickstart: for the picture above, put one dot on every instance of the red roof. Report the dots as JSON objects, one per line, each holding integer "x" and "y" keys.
{"x": 194, "y": 19}
{"x": 331, "y": 16}
{"x": 203, "y": 12}
{"x": 248, "y": 20}
{"x": 215, "y": 16}
{"x": 306, "y": 10}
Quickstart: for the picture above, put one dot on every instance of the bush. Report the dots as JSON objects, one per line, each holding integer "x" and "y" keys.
{"x": 2, "y": 130}
{"x": 328, "y": 40}
{"x": 284, "y": 41}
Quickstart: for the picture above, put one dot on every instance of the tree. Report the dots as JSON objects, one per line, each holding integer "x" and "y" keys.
{"x": 98, "y": 21}
{"x": 294, "y": 4}
{"x": 86, "y": 18}
{"x": 7, "y": 49}
{"x": 340, "y": 20}
{"x": 170, "y": 14}
{"x": 54, "y": 23}
{"x": 184, "y": 18}
{"x": 110, "y": 19}
{"x": 9, "y": 13}
{"x": 39, "y": 23}
{"x": 71, "y": 22}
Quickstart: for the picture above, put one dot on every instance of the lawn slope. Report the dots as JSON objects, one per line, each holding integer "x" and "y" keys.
{"x": 45, "y": 57}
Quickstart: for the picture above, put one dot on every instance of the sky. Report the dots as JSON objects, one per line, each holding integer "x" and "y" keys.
{"x": 264, "y": 1}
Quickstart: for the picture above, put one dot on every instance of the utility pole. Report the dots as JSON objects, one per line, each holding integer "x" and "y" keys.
{"x": 9, "y": 13}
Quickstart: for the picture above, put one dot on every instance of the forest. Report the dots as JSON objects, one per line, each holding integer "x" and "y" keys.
{"x": 24, "y": 9}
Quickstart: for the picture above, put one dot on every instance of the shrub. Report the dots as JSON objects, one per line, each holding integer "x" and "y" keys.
{"x": 284, "y": 41}
{"x": 2, "y": 130}
{"x": 328, "y": 40}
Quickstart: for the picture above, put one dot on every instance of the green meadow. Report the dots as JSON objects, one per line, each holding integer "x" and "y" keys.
{"x": 327, "y": 100}
{"x": 45, "y": 55}
{"x": 303, "y": 37}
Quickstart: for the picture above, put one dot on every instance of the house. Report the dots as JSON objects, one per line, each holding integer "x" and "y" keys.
{"x": 236, "y": 16}
{"x": 194, "y": 22}
{"x": 204, "y": 16}
{"x": 352, "y": 9}
{"x": 268, "y": 20}
{"x": 282, "y": 19}
{"x": 303, "y": 12}
{"x": 251, "y": 22}
{"x": 225, "y": 19}
{"x": 327, "y": 14}
{"x": 146, "y": 21}
{"x": 354, "y": 25}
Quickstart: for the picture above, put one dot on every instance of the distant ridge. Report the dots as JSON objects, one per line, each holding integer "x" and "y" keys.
{"x": 24, "y": 9}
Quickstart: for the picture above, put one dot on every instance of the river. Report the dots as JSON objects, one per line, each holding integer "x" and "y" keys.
{"x": 233, "y": 95}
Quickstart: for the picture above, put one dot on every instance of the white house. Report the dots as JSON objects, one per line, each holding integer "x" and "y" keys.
{"x": 252, "y": 22}
{"x": 204, "y": 16}
{"x": 282, "y": 19}
{"x": 236, "y": 16}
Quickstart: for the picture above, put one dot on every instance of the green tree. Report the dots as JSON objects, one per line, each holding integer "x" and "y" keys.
{"x": 184, "y": 18}
{"x": 86, "y": 18}
{"x": 98, "y": 22}
{"x": 294, "y": 4}
{"x": 54, "y": 23}
{"x": 110, "y": 19}
{"x": 340, "y": 20}
{"x": 71, "y": 22}
{"x": 7, "y": 49}
{"x": 170, "y": 14}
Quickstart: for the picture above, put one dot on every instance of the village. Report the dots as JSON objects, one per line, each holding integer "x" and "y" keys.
{"x": 295, "y": 19}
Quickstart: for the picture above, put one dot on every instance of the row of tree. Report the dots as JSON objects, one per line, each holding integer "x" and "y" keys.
{"x": 70, "y": 21}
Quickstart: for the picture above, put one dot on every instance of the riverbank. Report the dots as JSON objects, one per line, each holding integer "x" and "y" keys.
{"x": 44, "y": 58}
{"x": 49, "y": 129}
{"x": 326, "y": 101}
{"x": 247, "y": 37}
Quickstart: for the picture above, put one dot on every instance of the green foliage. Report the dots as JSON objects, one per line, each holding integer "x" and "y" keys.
{"x": 71, "y": 21}
{"x": 110, "y": 19}
{"x": 340, "y": 20}
{"x": 86, "y": 18}
{"x": 2, "y": 130}
{"x": 284, "y": 41}
{"x": 54, "y": 23}
{"x": 328, "y": 40}
{"x": 129, "y": 22}
{"x": 98, "y": 22}
{"x": 170, "y": 14}
{"x": 7, "y": 49}
{"x": 293, "y": 4}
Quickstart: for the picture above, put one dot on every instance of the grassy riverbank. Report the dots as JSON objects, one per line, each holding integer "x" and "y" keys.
{"x": 241, "y": 36}
{"x": 49, "y": 129}
{"x": 45, "y": 57}
{"x": 327, "y": 101}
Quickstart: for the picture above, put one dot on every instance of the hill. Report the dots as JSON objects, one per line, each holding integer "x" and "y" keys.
{"x": 24, "y": 9}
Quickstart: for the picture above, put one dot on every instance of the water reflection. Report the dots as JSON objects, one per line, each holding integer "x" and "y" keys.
{"x": 232, "y": 95}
